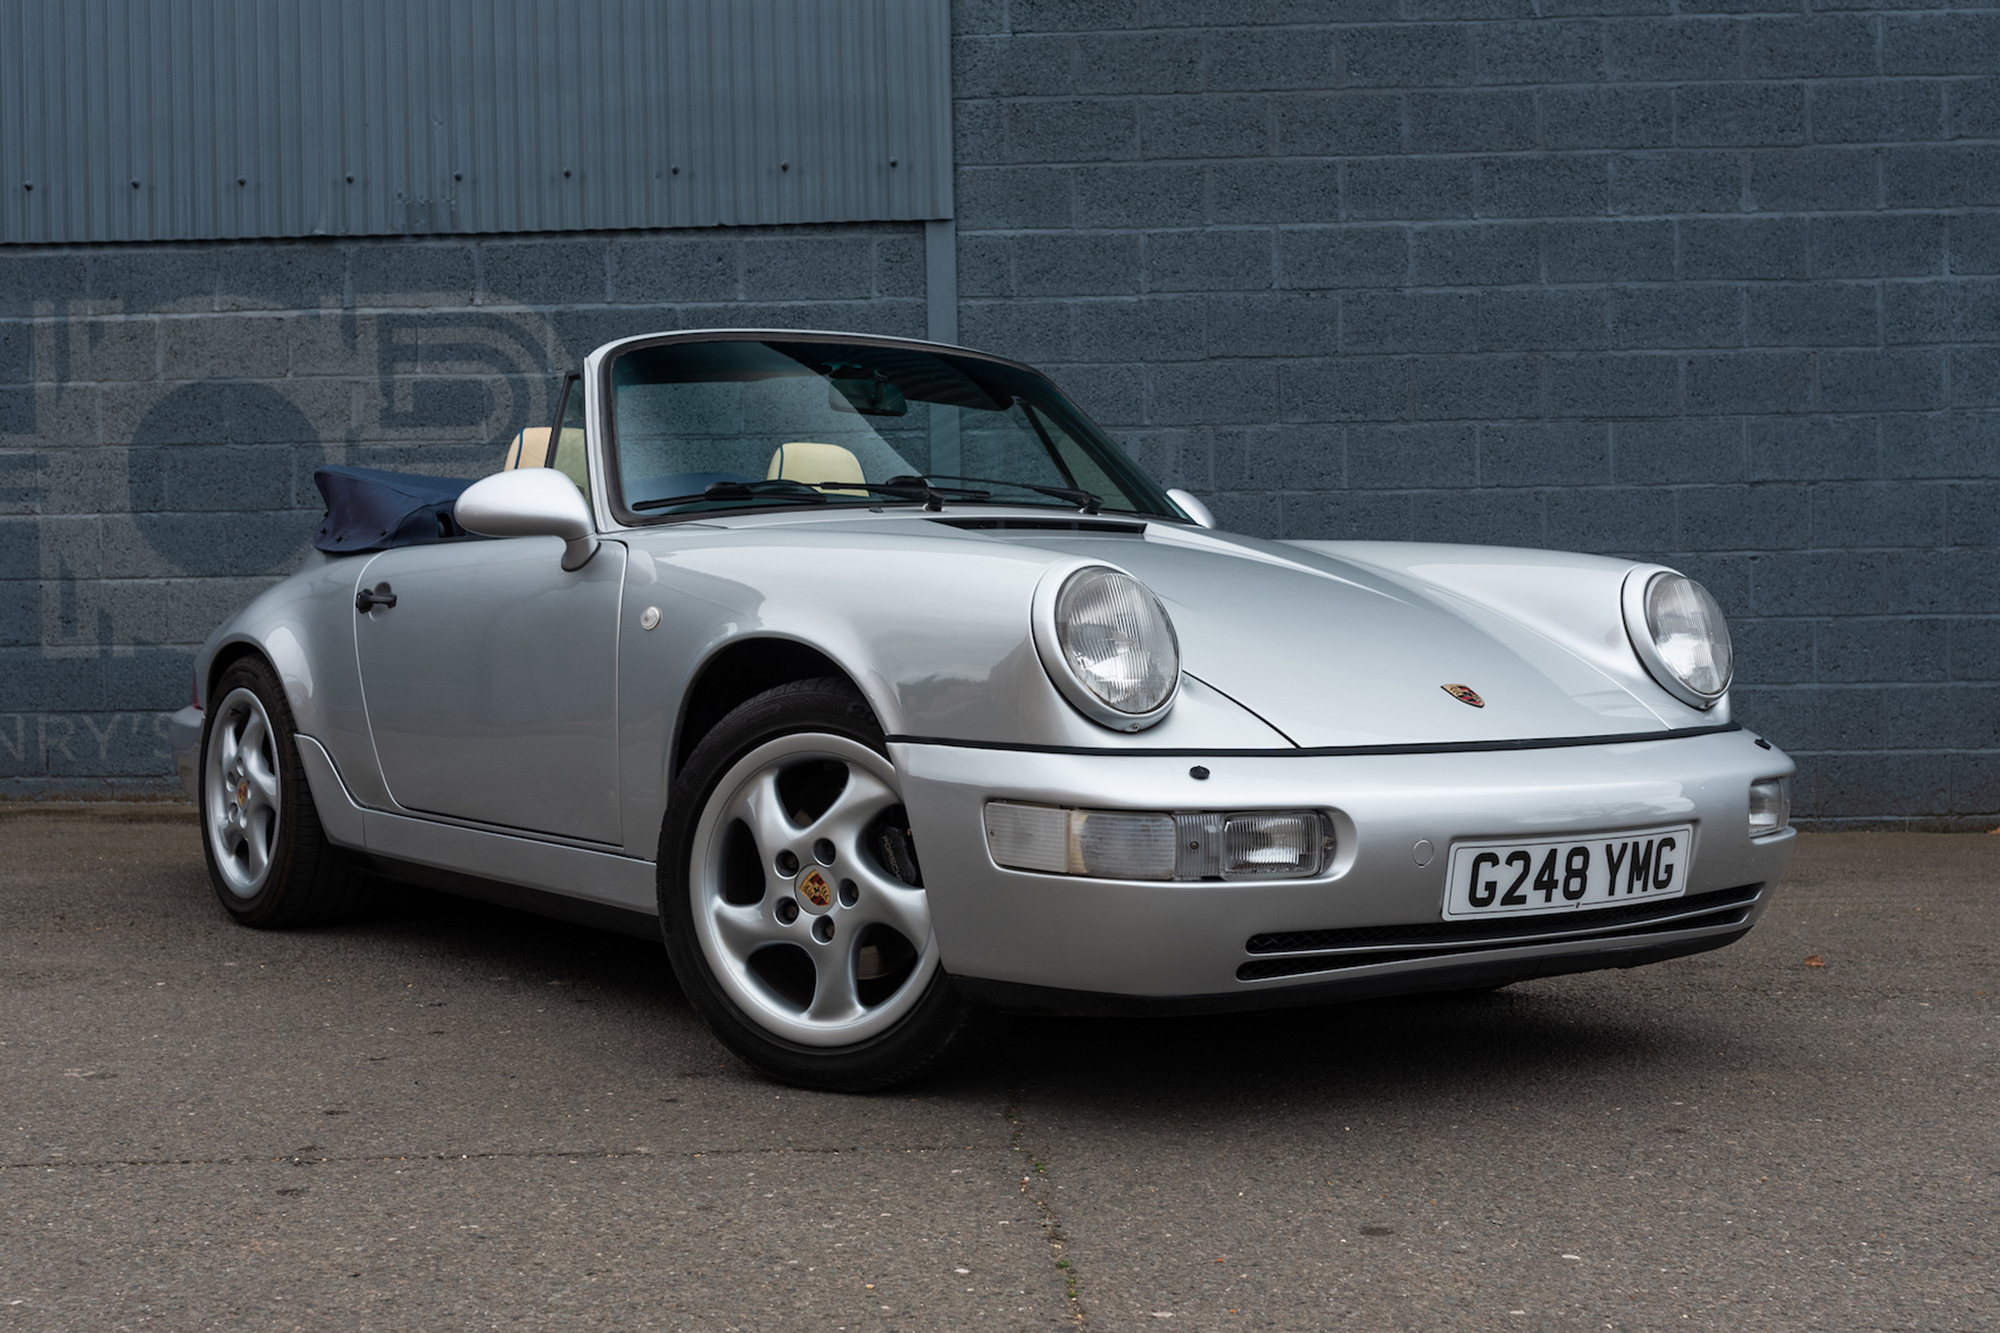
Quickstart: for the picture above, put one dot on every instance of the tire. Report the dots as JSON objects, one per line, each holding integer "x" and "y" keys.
{"x": 791, "y": 900}
{"x": 268, "y": 859}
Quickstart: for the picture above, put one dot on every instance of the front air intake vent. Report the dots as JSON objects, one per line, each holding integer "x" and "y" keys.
{"x": 1087, "y": 526}
{"x": 1309, "y": 951}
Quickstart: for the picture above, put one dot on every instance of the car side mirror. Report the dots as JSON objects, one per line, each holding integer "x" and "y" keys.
{"x": 530, "y": 502}
{"x": 1192, "y": 507}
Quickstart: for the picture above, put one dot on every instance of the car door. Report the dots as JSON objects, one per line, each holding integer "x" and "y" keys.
{"x": 491, "y": 682}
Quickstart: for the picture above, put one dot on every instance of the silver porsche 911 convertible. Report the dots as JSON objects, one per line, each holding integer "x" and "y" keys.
{"x": 876, "y": 681}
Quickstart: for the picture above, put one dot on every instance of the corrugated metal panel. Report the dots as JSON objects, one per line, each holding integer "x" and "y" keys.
{"x": 139, "y": 120}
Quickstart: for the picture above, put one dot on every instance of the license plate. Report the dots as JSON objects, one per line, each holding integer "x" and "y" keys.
{"x": 1571, "y": 875}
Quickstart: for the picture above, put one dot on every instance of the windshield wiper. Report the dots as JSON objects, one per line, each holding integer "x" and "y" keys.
{"x": 912, "y": 487}
{"x": 739, "y": 490}
{"x": 904, "y": 487}
{"x": 1084, "y": 500}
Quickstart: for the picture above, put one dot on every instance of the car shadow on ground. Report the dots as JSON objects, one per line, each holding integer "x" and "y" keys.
{"x": 1383, "y": 1052}
{"x": 1480, "y": 1045}
{"x": 512, "y": 942}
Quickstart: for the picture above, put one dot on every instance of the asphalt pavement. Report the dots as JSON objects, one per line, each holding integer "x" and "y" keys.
{"x": 455, "y": 1116}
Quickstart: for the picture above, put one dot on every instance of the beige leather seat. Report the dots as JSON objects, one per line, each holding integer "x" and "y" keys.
{"x": 532, "y": 442}
{"x": 805, "y": 460}
{"x": 531, "y": 449}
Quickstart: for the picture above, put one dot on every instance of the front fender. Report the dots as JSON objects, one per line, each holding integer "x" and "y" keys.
{"x": 947, "y": 654}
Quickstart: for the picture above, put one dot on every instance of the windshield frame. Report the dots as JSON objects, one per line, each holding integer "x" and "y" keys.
{"x": 1122, "y": 469}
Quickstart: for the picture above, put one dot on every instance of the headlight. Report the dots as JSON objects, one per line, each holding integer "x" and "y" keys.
{"x": 1117, "y": 639}
{"x": 1108, "y": 645}
{"x": 1678, "y": 632}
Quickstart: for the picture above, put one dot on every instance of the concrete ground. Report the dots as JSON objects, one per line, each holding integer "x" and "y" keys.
{"x": 455, "y": 1116}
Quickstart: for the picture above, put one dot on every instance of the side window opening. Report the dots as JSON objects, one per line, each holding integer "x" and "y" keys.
{"x": 568, "y": 452}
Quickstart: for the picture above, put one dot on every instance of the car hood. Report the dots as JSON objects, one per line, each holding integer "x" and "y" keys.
{"x": 1334, "y": 653}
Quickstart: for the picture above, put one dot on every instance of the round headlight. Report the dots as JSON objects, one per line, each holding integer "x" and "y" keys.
{"x": 1117, "y": 658}
{"x": 1689, "y": 645}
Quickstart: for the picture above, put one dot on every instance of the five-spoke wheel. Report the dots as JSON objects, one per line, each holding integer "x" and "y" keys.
{"x": 803, "y": 913}
{"x": 240, "y": 787}
{"x": 267, "y": 856}
{"x": 792, "y": 897}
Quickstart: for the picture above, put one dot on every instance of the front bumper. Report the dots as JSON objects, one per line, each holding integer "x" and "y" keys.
{"x": 184, "y": 739}
{"x": 1027, "y": 935}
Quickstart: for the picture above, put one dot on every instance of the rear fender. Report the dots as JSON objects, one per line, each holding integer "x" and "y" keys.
{"x": 304, "y": 627}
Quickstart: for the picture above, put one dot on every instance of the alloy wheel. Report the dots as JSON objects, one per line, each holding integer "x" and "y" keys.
{"x": 240, "y": 790}
{"x": 805, "y": 898}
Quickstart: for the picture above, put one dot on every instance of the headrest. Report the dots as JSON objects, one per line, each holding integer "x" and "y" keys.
{"x": 528, "y": 449}
{"x": 531, "y": 448}
{"x": 804, "y": 460}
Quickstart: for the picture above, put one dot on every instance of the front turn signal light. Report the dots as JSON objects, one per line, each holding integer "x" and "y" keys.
{"x": 1770, "y": 806}
{"x": 1131, "y": 844}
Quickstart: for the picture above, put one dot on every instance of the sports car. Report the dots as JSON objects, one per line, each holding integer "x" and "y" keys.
{"x": 884, "y": 689}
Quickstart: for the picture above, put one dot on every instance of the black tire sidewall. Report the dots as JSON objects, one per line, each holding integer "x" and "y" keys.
{"x": 273, "y": 903}
{"x": 920, "y": 1039}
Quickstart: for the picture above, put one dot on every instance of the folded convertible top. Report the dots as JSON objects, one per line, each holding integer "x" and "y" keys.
{"x": 370, "y": 510}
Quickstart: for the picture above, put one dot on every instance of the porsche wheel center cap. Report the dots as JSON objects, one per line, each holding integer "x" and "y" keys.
{"x": 815, "y": 894}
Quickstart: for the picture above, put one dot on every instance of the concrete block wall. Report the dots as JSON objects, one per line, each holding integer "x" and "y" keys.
{"x": 1712, "y": 282}
{"x": 162, "y": 409}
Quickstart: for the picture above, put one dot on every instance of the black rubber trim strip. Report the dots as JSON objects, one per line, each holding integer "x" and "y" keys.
{"x": 1334, "y": 751}
{"x": 1525, "y": 929}
{"x": 1307, "y": 964}
{"x": 1452, "y": 973}
{"x": 541, "y": 902}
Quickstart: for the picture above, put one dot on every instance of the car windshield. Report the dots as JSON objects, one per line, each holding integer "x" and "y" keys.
{"x": 724, "y": 425}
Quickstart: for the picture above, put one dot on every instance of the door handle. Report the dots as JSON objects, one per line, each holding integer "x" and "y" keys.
{"x": 368, "y": 599}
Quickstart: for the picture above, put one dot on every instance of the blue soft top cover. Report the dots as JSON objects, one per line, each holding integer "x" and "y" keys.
{"x": 369, "y": 510}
